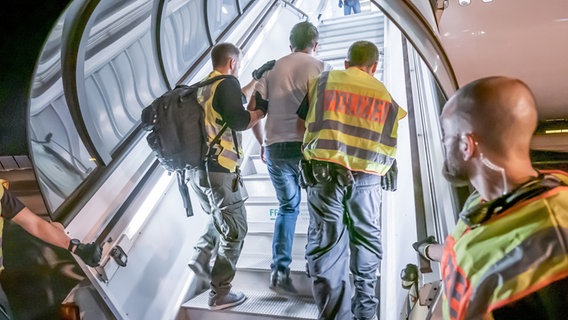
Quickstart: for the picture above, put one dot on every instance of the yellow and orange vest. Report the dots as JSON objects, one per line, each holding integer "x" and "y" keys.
{"x": 511, "y": 255}
{"x": 352, "y": 121}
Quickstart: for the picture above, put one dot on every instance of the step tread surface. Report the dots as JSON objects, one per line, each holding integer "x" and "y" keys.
{"x": 263, "y": 302}
{"x": 262, "y": 262}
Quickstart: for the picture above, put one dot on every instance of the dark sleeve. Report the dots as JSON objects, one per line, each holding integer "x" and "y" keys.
{"x": 303, "y": 109}
{"x": 550, "y": 302}
{"x": 228, "y": 102}
{"x": 11, "y": 206}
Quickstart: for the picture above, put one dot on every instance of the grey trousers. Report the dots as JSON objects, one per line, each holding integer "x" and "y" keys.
{"x": 227, "y": 225}
{"x": 345, "y": 234}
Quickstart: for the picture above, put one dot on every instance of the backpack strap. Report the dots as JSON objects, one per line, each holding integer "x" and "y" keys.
{"x": 184, "y": 191}
{"x": 236, "y": 141}
{"x": 216, "y": 140}
{"x": 208, "y": 81}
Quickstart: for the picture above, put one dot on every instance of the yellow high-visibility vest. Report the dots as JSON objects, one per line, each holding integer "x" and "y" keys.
{"x": 352, "y": 121}
{"x": 226, "y": 153}
{"x": 506, "y": 258}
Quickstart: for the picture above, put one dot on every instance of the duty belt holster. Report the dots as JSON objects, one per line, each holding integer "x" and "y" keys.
{"x": 314, "y": 172}
{"x": 306, "y": 175}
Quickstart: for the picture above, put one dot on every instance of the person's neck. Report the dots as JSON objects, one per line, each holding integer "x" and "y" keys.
{"x": 306, "y": 51}
{"x": 222, "y": 70}
{"x": 493, "y": 184}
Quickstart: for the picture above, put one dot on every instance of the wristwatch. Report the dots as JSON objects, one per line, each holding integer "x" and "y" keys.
{"x": 73, "y": 244}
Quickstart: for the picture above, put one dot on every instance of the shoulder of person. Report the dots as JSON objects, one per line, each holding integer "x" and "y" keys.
{"x": 229, "y": 82}
{"x": 230, "y": 79}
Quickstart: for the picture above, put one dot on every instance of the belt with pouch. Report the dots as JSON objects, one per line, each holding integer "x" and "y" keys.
{"x": 315, "y": 171}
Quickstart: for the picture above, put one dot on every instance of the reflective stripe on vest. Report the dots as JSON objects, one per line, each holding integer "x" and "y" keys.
{"x": 351, "y": 121}
{"x": 507, "y": 258}
{"x": 226, "y": 153}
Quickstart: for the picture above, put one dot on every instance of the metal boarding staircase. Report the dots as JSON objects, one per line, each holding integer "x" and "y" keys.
{"x": 338, "y": 33}
{"x": 253, "y": 268}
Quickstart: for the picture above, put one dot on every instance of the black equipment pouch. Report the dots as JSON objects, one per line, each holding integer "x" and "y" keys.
{"x": 306, "y": 175}
{"x": 343, "y": 176}
{"x": 321, "y": 171}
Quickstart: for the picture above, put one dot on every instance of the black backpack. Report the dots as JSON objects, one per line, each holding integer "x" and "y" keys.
{"x": 177, "y": 132}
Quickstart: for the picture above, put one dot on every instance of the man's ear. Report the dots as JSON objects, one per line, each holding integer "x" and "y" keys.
{"x": 374, "y": 67}
{"x": 346, "y": 64}
{"x": 232, "y": 63}
{"x": 315, "y": 47}
{"x": 467, "y": 146}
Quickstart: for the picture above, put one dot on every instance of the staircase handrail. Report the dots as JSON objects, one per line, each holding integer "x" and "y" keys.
{"x": 294, "y": 8}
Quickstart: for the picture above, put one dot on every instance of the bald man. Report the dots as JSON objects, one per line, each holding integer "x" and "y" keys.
{"x": 508, "y": 255}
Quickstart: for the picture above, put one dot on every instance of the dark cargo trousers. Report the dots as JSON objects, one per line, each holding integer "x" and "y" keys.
{"x": 227, "y": 225}
{"x": 345, "y": 224}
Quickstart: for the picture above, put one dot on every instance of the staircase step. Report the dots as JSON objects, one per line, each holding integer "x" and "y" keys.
{"x": 253, "y": 272}
{"x": 259, "y": 166}
{"x": 267, "y": 211}
{"x": 339, "y": 41}
{"x": 337, "y": 34}
{"x": 259, "y": 185}
{"x": 341, "y": 19}
{"x": 339, "y": 51}
{"x": 260, "y": 304}
{"x": 261, "y": 243}
{"x": 364, "y": 27}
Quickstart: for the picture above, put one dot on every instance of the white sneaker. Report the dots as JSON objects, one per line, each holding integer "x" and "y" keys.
{"x": 231, "y": 299}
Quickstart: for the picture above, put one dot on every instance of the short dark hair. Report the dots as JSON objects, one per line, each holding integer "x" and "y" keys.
{"x": 303, "y": 35}
{"x": 222, "y": 52}
{"x": 362, "y": 54}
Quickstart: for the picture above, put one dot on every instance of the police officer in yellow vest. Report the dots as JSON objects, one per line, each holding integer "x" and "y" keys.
{"x": 217, "y": 183}
{"x": 12, "y": 209}
{"x": 349, "y": 152}
{"x": 507, "y": 256}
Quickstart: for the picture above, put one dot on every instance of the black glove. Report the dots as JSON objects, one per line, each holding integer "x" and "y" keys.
{"x": 257, "y": 74}
{"x": 340, "y": 4}
{"x": 422, "y": 245}
{"x": 260, "y": 103}
{"x": 90, "y": 253}
{"x": 388, "y": 181}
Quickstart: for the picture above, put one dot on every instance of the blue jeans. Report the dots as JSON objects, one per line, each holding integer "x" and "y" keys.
{"x": 282, "y": 160}
{"x": 345, "y": 235}
{"x": 351, "y": 5}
